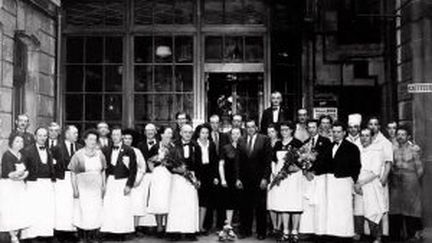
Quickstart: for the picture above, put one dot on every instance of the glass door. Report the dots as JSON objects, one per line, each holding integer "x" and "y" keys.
{"x": 235, "y": 93}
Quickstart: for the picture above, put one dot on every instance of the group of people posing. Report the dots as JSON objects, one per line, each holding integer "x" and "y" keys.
{"x": 110, "y": 183}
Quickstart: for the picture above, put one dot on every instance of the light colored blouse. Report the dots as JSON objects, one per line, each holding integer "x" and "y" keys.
{"x": 78, "y": 163}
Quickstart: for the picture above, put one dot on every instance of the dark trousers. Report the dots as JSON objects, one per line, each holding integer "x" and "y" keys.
{"x": 210, "y": 218}
{"x": 404, "y": 227}
{"x": 253, "y": 203}
{"x": 375, "y": 229}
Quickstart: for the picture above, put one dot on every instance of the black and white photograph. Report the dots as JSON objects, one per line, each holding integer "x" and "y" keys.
{"x": 150, "y": 121}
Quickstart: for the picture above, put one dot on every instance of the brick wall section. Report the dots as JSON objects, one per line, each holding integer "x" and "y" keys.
{"x": 40, "y": 83}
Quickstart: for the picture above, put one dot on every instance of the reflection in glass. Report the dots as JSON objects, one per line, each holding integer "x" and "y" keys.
{"x": 93, "y": 78}
{"x": 143, "y": 78}
{"x": 213, "y": 12}
{"x": 74, "y": 78}
{"x": 183, "y": 49}
{"x": 254, "y": 50}
{"x": 163, "y": 78}
{"x": 213, "y": 48}
{"x": 74, "y": 107}
{"x": 143, "y": 12}
{"x": 184, "y": 78}
{"x": 93, "y": 107}
{"x": 143, "y": 107}
{"x": 233, "y": 49}
{"x": 143, "y": 49}
{"x": 94, "y": 49}
{"x": 163, "y": 11}
{"x": 113, "y": 107}
{"x": 184, "y": 11}
{"x": 113, "y": 78}
{"x": 233, "y": 12}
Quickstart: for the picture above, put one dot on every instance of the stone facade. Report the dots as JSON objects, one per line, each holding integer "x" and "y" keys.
{"x": 29, "y": 22}
{"x": 414, "y": 48}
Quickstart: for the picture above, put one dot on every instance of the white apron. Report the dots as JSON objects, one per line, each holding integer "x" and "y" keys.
{"x": 140, "y": 197}
{"x": 288, "y": 195}
{"x": 183, "y": 216}
{"x": 64, "y": 204}
{"x": 340, "y": 220}
{"x": 160, "y": 190}
{"x": 314, "y": 217}
{"x": 14, "y": 214}
{"x": 117, "y": 216}
{"x": 88, "y": 207}
{"x": 42, "y": 209}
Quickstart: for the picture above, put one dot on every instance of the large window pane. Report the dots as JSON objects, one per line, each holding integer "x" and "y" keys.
{"x": 163, "y": 78}
{"x": 184, "y": 49}
{"x": 213, "y": 11}
{"x": 143, "y": 107}
{"x": 184, "y": 78}
{"x": 113, "y": 78}
{"x": 143, "y": 12}
{"x": 74, "y": 107}
{"x": 93, "y": 107}
{"x": 255, "y": 11}
{"x": 143, "y": 49}
{"x": 113, "y": 107}
{"x": 233, "y": 49}
{"x": 163, "y": 49}
{"x": 163, "y": 11}
{"x": 113, "y": 50}
{"x": 254, "y": 50}
{"x": 75, "y": 50}
{"x": 233, "y": 12}
{"x": 74, "y": 78}
{"x": 143, "y": 78}
{"x": 94, "y": 49}
{"x": 213, "y": 49}
{"x": 184, "y": 11}
{"x": 93, "y": 78}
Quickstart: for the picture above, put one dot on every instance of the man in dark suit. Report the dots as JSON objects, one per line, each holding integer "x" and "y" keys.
{"x": 321, "y": 145}
{"x": 22, "y": 123}
{"x": 256, "y": 154}
{"x": 62, "y": 154}
{"x": 121, "y": 171}
{"x": 39, "y": 163}
{"x": 104, "y": 131}
{"x": 150, "y": 145}
{"x": 275, "y": 113}
{"x": 343, "y": 170}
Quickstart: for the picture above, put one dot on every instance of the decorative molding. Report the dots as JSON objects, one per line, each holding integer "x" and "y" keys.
{"x": 30, "y": 40}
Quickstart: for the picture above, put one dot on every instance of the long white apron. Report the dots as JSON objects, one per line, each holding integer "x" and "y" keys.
{"x": 42, "y": 209}
{"x": 64, "y": 204}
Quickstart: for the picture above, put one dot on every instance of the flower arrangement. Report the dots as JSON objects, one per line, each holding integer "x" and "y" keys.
{"x": 295, "y": 159}
{"x": 178, "y": 167}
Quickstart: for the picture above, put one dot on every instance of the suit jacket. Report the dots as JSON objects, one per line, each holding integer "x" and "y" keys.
{"x": 267, "y": 118}
{"x": 121, "y": 170}
{"x": 148, "y": 153}
{"x": 177, "y": 153}
{"x": 224, "y": 138}
{"x": 323, "y": 147}
{"x": 255, "y": 166}
{"x": 346, "y": 162}
{"x": 34, "y": 164}
{"x": 61, "y": 155}
{"x": 213, "y": 163}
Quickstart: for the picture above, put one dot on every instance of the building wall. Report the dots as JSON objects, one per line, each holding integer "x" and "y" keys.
{"x": 37, "y": 30}
{"x": 415, "y": 66}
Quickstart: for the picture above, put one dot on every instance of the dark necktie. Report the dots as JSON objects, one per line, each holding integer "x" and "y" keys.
{"x": 249, "y": 145}
{"x": 72, "y": 151}
{"x": 52, "y": 144}
{"x": 313, "y": 142}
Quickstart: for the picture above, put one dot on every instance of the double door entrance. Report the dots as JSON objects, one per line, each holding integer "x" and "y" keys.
{"x": 235, "y": 93}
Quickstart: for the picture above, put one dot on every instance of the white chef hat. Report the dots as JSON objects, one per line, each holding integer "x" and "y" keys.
{"x": 354, "y": 119}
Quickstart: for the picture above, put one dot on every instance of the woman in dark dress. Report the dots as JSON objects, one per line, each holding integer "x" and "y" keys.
{"x": 13, "y": 208}
{"x": 207, "y": 170}
{"x": 228, "y": 176}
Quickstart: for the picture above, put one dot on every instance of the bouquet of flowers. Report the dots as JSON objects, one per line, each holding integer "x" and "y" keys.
{"x": 295, "y": 159}
{"x": 178, "y": 167}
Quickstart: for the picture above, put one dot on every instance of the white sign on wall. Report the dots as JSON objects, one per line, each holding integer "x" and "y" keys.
{"x": 331, "y": 111}
{"x": 420, "y": 88}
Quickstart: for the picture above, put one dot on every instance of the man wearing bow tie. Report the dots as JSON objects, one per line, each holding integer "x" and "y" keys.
{"x": 122, "y": 167}
{"x": 343, "y": 170}
{"x": 183, "y": 217}
{"x": 40, "y": 188}
{"x": 103, "y": 130}
{"x": 274, "y": 114}
{"x": 313, "y": 217}
{"x": 150, "y": 146}
{"x": 256, "y": 155}
{"x": 62, "y": 154}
